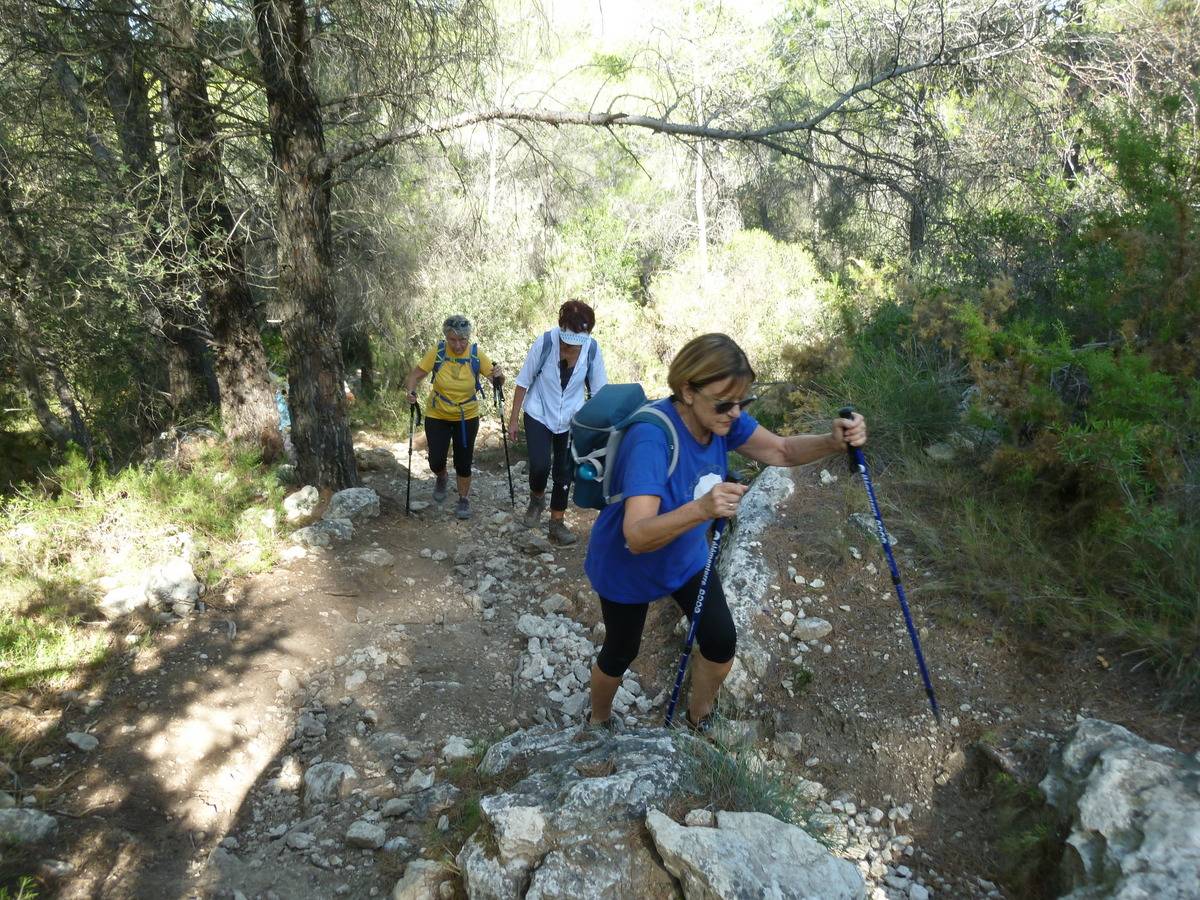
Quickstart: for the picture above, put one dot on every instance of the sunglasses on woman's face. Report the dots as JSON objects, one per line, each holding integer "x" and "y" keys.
{"x": 724, "y": 407}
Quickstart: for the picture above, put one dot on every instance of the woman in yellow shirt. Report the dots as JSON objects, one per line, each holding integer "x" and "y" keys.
{"x": 452, "y": 415}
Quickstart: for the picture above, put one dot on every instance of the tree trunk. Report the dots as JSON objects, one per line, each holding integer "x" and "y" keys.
{"x": 367, "y": 361}
{"x": 918, "y": 205}
{"x": 356, "y": 354}
{"x": 916, "y": 229}
{"x": 33, "y": 359}
{"x": 30, "y": 372}
{"x": 248, "y": 411}
{"x": 126, "y": 92}
{"x": 188, "y": 357}
{"x": 701, "y": 209}
{"x": 320, "y": 426}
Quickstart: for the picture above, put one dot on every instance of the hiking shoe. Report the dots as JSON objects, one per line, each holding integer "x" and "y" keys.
{"x": 439, "y": 487}
{"x": 533, "y": 513}
{"x": 706, "y": 728}
{"x": 613, "y": 725}
{"x": 463, "y": 509}
{"x": 724, "y": 732}
{"x": 560, "y": 533}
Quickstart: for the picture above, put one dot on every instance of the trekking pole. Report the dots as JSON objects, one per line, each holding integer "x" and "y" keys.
{"x": 858, "y": 463}
{"x": 498, "y": 393}
{"x": 414, "y": 419}
{"x": 696, "y": 611}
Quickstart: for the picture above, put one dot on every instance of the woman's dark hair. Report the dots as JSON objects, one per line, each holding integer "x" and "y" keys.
{"x": 576, "y": 316}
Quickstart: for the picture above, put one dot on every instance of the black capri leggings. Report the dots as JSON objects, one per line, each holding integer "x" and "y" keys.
{"x": 623, "y": 623}
{"x": 544, "y": 445}
{"x": 439, "y": 434}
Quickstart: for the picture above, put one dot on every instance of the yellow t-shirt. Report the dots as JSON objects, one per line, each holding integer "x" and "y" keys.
{"x": 455, "y": 383}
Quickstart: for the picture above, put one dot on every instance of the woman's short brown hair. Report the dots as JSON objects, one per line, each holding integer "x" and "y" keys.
{"x": 707, "y": 359}
{"x": 576, "y": 316}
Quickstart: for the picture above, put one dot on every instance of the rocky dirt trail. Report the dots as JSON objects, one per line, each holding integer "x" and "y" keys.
{"x": 315, "y": 728}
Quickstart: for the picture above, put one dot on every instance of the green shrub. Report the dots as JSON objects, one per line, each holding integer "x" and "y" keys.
{"x": 82, "y": 523}
{"x": 725, "y": 780}
{"x": 908, "y": 393}
{"x": 1081, "y": 350}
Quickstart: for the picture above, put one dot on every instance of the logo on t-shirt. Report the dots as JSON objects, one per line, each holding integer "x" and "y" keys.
{"x": 706, "y": 483}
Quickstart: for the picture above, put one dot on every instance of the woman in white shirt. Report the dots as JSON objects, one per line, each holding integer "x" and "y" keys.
{"x": 562, "y": 369}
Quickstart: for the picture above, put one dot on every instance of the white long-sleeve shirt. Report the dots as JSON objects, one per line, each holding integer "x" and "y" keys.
{"x": 546, "y": 400}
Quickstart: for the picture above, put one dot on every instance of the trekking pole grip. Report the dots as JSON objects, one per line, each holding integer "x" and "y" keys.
{"x": 847, "y": 412}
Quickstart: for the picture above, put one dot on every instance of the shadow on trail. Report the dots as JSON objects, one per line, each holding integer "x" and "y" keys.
{"x": 170, "y": 717}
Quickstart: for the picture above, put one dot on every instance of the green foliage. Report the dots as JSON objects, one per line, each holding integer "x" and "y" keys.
{"x": 1084, "y": 383}
{"x": 1029, "y": 838}
{"x": 26, "y": 888}
{"x": 907, "y": 391}
{"x": 612, "y": 64}
{"x": 738, "y": 782}
{"x": 48, "y": 648}
{"x": 766, "y": 294}
{"x": 83, "y": 523}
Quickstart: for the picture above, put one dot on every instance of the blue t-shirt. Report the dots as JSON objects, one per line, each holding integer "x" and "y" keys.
{"x": 641, "y": 469}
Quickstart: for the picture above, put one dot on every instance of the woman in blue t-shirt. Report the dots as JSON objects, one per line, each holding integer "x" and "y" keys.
{"x": 655, "y": 542}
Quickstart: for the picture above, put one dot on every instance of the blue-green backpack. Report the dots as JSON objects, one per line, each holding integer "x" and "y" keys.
{"x": 596, "y": 433}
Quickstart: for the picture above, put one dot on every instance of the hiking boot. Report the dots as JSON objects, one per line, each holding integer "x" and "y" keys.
{"x": 439, "y": 487}
{"x": 533, "y": 513}
{"x": 611, "y": 726}
{"x": 719, "y": 730}
{"x": 705, "y": 728}
{"x": 463, "y": 509}
{"x": 560, "y": 534}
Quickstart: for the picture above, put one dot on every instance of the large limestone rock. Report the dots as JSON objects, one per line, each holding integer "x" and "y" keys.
{"x": 750, "y": 856}
{"x": 746, "y": 576}
{"x": 421, "y": 881}
{"x": 354, "y": 504}
{"x": 571, "y": 827}
{"x": 123, "y": 600}
{"x": 324, "y": 533}
{"x": 327, "y": 781}
{"x": 1134, "y": 814}
{"x": 25, "y": 826}
{"x": 302, "y": 504}
{"x": 172, "y": 582}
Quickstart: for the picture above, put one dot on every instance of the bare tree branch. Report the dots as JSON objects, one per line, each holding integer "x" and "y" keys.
{"x": 609, "y": 120}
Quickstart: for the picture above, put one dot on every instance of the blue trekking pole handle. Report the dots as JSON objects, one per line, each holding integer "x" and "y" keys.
{"x": 696, "y": 611}
{"x": 858, "y": 463}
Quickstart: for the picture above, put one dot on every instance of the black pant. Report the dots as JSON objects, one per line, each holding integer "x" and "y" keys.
{"x": 439, "y": 434}
{"x": 543, "y": 445}
{"x": 623, "y": 624}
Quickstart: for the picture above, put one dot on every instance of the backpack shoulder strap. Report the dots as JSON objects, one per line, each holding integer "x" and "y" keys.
{"x": 475, "y": 367}
{"x": 547, "y": 346}
{"x": 591, "y": 358}
{"x": 654, "y": 416}
{"x": 438, "y": 360}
